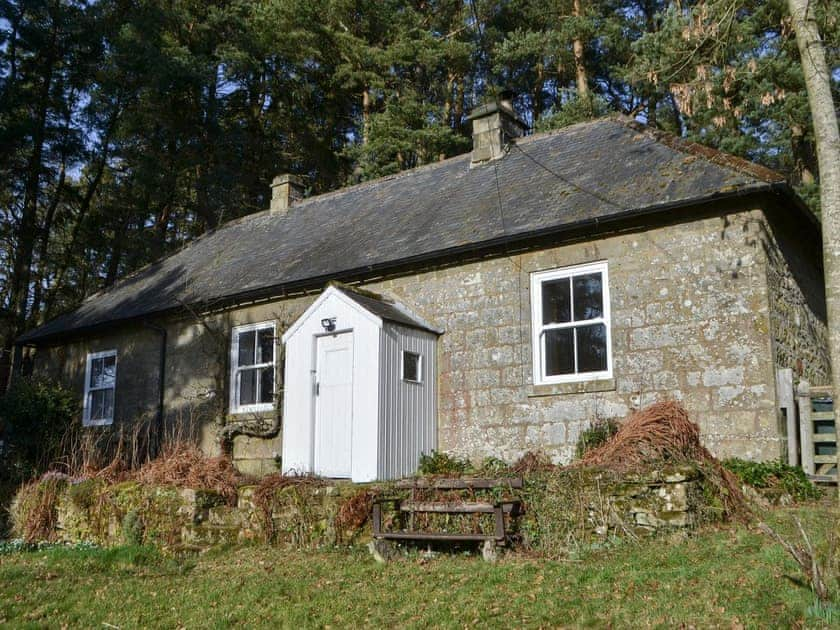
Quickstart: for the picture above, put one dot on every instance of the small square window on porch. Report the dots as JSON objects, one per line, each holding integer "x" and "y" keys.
{"x": 412, "y": 367}
{"x": 570, "y": 324}
{"x": 252, "y": 368}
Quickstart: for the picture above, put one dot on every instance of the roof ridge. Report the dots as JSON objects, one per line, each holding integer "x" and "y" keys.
{"x": 714, "y": 156}
{"x": 378, "y": 180}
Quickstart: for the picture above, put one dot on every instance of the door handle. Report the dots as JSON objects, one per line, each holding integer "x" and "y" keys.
{"x": 317, "y": 389}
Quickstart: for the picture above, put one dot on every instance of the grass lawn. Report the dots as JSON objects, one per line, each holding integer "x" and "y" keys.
{"x": 725, "y": 577}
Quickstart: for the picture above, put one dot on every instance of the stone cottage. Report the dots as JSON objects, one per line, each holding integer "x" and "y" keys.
{"x": 488, "y": 304}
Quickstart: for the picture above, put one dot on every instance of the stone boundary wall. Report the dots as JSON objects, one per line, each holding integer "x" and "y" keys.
{"x": 166, "y": 516}
{"x": 578, "y": 508}
{"x": 308, "y": 516}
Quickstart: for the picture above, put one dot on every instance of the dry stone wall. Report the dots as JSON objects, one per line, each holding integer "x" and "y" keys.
{"x": 305, "y": 516}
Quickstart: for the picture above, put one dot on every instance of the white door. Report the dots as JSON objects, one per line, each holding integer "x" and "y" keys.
{"x": 333, "y": 404}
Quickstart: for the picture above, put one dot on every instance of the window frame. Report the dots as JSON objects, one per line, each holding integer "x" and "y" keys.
{"x": 235, "y": 369}
{"x": 86, "y": 409}
{"x": 419, "y": 356}
{"x": 538, "y": 328}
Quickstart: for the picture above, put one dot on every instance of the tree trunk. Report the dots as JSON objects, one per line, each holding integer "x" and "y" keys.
{"x": 537, "y": 93}
{"x": 40, "y": 277}
{"x": 27, "y": 231}
{"x": 803, "y": 155}
{"x": 74, "y": 243}
{"x": 824, "y": 117}
{"x": 652, "y": 104}
{"x": 580, "y": 68}
{"x": 365, "y": 116}
{"x": 43, "y": 246}
{"x": 206, "y": 205}
{"x": 458, "y": 111}
{"x": 116, "y": 253}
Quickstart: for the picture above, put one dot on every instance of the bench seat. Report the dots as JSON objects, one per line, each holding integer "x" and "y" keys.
{"x": 412, "y": 506}
{"x": 456, "y": 507}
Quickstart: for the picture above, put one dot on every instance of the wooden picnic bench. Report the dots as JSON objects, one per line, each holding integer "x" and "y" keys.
{"x": 412, "y": 506}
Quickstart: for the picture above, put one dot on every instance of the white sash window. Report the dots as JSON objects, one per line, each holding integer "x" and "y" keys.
{"x": 252, "y": 371}
{"x": 100, "y": 386}
{"x": 570, "y": 312}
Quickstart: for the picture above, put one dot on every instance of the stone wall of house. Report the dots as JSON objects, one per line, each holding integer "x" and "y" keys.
{"x": 197, "y": 383}
{"x": 797, "y": 300}
{"x": 137, "y": 384}
{"x": 691, "y": 320}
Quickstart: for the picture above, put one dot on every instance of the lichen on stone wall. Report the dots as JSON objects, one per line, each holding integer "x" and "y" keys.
{"x": 573, "y": 509}
{"x": 797, "y": 308}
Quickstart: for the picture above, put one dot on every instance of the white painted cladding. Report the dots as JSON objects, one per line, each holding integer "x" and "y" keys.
{"x": 408, "y": 410}
{"x": 299, "y": 385}
{"x": 393, "y": 421}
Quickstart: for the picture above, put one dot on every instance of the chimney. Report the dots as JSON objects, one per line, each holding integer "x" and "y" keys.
{"x": 286, "y": 189}
{"x": 493, "y": 125}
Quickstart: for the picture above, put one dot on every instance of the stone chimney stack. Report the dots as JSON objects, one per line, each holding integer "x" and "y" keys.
{"x": 286, "y": 189}
{"x": 493, "y": 126}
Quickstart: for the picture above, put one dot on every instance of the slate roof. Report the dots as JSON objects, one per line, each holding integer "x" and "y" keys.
{"x": 387, "y": 309}
{"x": 583, "y": 175}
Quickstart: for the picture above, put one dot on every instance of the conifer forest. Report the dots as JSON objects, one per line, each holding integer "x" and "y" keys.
{"x": 129, "y": 127}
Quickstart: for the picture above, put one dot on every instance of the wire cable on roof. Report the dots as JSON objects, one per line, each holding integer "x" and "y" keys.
{"x": 566, "y": 180}
{"x": 492, "y": 88}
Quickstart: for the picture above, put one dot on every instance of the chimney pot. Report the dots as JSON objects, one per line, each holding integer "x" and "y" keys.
{"x": 494, "y": 124}
{"x": 286, "y": 189}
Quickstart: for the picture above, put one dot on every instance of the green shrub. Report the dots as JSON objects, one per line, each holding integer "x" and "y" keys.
{"x": 776, "y": 474}
{"x": 493, "y": 467}
{"x": 600, "y": 431}
{"x": 133, "y": 528}
{"x": 438, "y": 463}
{"x": 84, "y": 494}
{"x": 35, "y": 416}
{"x": 572, "y": 112}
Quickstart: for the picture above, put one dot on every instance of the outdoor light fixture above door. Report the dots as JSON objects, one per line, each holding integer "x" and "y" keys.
{"x": 328, "y": 323}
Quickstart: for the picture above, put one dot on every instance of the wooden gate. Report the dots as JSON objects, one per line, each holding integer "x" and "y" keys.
{"x": 817, "y": 432}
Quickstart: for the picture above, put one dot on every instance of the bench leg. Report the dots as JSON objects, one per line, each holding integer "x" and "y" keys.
{"x": 377, "y": 519}
{"x": 500, "y": 523}
{"x": 489, "y": 551}
{"x": 381, "y": 550}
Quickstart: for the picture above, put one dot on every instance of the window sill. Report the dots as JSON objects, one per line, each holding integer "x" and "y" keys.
{"x": 92, "y": 424}
{"x": 258, "y": 411}
{"x": 577, "y": 387}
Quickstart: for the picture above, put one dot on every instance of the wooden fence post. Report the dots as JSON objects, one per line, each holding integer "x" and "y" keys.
{"x": 784, "y": 393}
{"x": 806, "y": 426}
